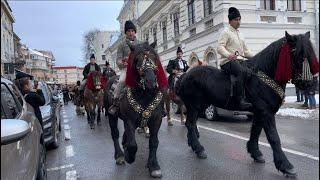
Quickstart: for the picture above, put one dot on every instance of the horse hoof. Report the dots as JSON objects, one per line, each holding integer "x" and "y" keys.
{"x": 120, "y": 160}
{"x": 140, "y": 130}
{"x": 156, "y": 174}
{"x": 259, "y": 159}
{"x": 170, "y": 123}
{"x": 202, "y": 155}
{"x": 147, "y": 135}
{"x": 289, "y": 173}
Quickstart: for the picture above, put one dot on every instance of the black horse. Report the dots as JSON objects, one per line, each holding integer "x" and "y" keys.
{"x": 143, "y": 104}
{"x": 206, "y": 85}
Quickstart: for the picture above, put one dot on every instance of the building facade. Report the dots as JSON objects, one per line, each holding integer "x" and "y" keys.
{"x": 7, "y": 44}
{"x": 195, "y": 26}
{"x": 40, "y": 65}
{"x": 131, "y": 10}
{"x": 68, "y": 74}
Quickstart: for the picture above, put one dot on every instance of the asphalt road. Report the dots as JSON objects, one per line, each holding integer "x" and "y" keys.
{"x": 88, "y": 154}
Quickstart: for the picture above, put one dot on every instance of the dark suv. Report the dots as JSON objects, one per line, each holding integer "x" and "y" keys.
{"x": 23, "y": 152}
{"x": 50, "y": 117}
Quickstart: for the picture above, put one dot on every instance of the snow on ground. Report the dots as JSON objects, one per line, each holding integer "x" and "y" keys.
{"x": 293, "y": 99}
{"x": 301, "y": 113}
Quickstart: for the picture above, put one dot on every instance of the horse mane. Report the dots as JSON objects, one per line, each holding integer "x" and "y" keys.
{"x": 261, "y": 61}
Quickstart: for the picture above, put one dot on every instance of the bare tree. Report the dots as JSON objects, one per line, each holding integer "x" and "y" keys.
{"x": 88, "y": 44}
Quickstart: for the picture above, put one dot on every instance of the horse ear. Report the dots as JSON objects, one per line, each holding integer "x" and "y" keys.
{"x": 289, "y": 37}
{"x": 153, "y": 45}
{"x": 307, "y": 34}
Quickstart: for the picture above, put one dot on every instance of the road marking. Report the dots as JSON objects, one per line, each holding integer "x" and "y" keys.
{"x": 65, "y": 116}
{"x": 60, "y": 167}
{"x": 67, "y": 135}
{"x": 69, "y": 151}
{"x": 71, "y": 175}
{"x": 66, "y": 127}
{"x": 261, "y": 143}
{"x": 66, "y": 120}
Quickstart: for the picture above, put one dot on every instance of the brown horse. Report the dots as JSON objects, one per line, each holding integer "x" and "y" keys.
{"x": 93, "y": 97}
{"x": 170, "y": 97}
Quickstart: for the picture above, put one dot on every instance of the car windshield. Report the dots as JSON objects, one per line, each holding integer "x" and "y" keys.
{"x": 45, "y": 91}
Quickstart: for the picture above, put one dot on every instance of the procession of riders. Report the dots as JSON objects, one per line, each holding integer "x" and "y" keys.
{"x": 139, "y": 65}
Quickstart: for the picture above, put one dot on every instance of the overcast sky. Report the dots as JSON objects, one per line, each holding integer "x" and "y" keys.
{"x": 59, "y": 26}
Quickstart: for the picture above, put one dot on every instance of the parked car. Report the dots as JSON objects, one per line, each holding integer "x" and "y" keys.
{"x": 23, "y": 153}
{"x": 50, "y": 117}
{"x": 212, "y": 113}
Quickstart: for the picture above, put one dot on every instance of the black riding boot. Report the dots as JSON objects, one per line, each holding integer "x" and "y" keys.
{"x": 113, "y": 110}
{"x": 240, "y": 97}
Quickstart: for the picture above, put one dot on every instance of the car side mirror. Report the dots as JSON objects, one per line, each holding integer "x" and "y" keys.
{"x": 13, "y": 130}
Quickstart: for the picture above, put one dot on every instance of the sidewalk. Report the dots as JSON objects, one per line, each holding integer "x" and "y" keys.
{"x": 294, "y": 109}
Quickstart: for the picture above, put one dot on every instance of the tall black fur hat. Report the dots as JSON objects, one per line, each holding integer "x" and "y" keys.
{"x": 92, "y": 56}
{"x": 129, "y": 25}
{"x": 233, "y": 13}
{"x": 179, "y": 50}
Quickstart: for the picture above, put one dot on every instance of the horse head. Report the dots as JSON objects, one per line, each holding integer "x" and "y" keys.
{"x": 302, "y": 55}
{"x": 95, "y": 80}
{"x": 145, "y": 63}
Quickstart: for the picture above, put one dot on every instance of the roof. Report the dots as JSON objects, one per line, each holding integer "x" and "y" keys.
{"x": 35, "y": 52}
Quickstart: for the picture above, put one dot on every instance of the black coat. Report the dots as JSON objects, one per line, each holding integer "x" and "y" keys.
{"x": 174, "y": 65}
{"x": 36, "y": 99}
{"x": 86, "y": 70}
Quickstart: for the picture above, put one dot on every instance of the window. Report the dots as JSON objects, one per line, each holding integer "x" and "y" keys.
{"x": 146, "y": 37}
{"x": 154, "y": 34}
{"x": 268, "y": 19}
{"x": 193, "y": 32}
{"x": 164, "y": 31}
{"x": 207, "y": 5}
{"x": 176, "y": 23}
{"x": 294, "y": 5}
{"x": 191, "y": 12}
{"x": 102, "y": 46}
{"x": 12, "y": 106}
{"x": 103, "y": 57}
{"x": 209, "y": 24}
{"x": 268, "y": 4}
{"x": 294, "y": 19}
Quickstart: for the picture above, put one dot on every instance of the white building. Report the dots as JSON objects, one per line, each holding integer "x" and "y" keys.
{"x": 40, "y": 64}
{"x": 101, "y": 43}
{"x": 195, "y": 26}
{"x": 7, "y": 44}
{"x": 131, "y": 10}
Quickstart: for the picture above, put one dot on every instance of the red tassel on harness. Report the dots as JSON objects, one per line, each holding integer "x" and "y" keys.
{"x": 132, "y": 75}
{"x": 284, "y": 67}
{"x": 314, "y": 66}
{"x": 89, "y": 83}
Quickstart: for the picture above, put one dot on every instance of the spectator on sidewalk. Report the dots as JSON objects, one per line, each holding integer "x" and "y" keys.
{"x": 299, "y": 94}
{"x": 312, "y": 93}
{"x": 33, "y": 96}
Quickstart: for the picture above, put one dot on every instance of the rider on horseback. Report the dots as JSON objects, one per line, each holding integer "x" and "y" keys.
{"x": 92, "y": 66}
{"x": 176, "y": 66}
{"x": 122, "y": 62}
{"x": 108, "y": 71}
{"x": 230, "y": 45}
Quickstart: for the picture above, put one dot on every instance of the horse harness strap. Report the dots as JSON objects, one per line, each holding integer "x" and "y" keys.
{"x": 146, "y": 113}
{"x": 271, "y": 83}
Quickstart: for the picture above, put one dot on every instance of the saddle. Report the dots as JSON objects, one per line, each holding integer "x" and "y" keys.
{"x": 175, "y": 78}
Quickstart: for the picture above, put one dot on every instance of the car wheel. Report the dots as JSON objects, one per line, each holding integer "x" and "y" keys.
{"x": 211, "y": 113}
{"x": 55, "y": 143}
{"x": 42, "y": 169}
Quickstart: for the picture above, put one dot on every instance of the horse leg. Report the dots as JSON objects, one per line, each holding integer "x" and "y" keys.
{"x": 118, "y": 153}
{"x": 252, "y": 144}
{"x": 182, "y": 116}
{"x": 88, "y": 114}
{"x": 167, "y": 104}
{"x": 130, "y": 146}
{"x": 92, "y": 118}
{"x": 98, "y": 116}
{"x": 192, "y": 116}
{"x": 279, "y": 158}
{"x": 153, "y": 165}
